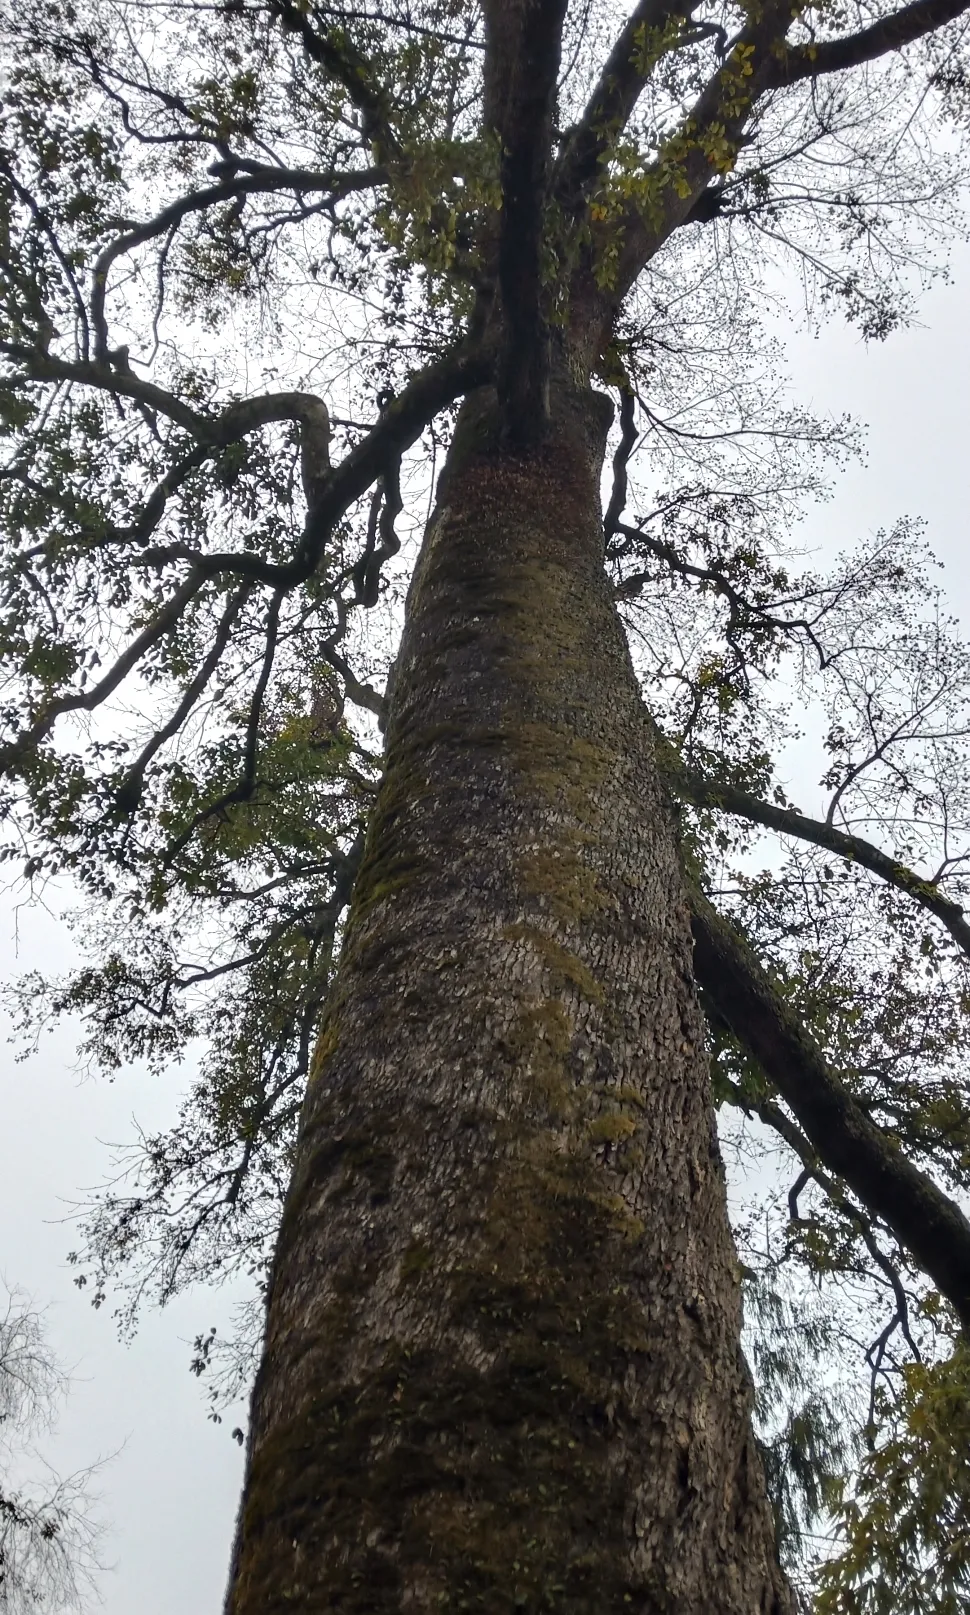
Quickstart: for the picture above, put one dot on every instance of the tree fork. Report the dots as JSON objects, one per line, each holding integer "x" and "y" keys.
{"x": 501, "y": 1366}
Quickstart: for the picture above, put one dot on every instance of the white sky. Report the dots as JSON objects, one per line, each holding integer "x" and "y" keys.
{"x": 169, "y": 1494}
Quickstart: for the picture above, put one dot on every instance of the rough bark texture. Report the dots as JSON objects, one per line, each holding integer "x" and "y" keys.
{"x": 502, "y": 1367}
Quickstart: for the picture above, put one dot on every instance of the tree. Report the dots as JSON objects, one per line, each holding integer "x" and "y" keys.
{"x": 48, "y": 1535}
{"x": 502, "y": 1364}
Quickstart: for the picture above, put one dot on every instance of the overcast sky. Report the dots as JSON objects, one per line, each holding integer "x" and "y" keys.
{"x": 170, "y": 1491}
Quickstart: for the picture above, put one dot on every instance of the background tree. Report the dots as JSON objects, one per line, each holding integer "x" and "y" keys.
{"x": 48, "y": 1533}
{"x": 396, "y": 209}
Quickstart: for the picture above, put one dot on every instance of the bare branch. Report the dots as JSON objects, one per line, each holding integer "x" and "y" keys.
{"x": 403, "y": 421}
{"x": 257, "y": 179}
{"x": 712, "y": 793}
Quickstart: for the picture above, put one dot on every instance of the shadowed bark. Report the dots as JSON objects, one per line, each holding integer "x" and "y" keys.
{"x": 523, "y": 50}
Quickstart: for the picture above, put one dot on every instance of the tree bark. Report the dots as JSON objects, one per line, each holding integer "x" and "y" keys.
{"x": 502, "y": 1367}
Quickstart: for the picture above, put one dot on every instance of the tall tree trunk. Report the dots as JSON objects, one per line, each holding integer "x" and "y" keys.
{"x": 502, "y": 1367}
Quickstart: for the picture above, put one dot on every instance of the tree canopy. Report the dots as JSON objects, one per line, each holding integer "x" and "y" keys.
{"x": 252, "y": 255}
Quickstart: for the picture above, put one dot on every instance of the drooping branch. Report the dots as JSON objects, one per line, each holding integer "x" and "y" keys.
{"x": 400, "y": 425}
{"x": 703, "y": 792}
{"x": 892, "y": 33}
{"x": 129, "y": 794}
{"x": 523, "y": 44}
{"x": 314, "y": 448}
{"x": 309, "y": 411}
{"x": 164, "y": 621}
{"x": 924, "y": 1219}
{"x": 330, "y": 492}
{"x": 382, "y": 541}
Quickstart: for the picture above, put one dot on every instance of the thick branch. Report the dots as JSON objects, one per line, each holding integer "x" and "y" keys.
{"x": 314, "y": 420}
{"x": 362, "y": 695}
{"x": 433, "y": 389}
{"x": 217, "y": 431}
{"x": 890, "y": 33}
{"x": 401, "y": 423}
{"x": 625, "y": 74}
{"x": 925, "y": 1220}
{"x": 711, "y": 793}
{"x": 35, "y": 365}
